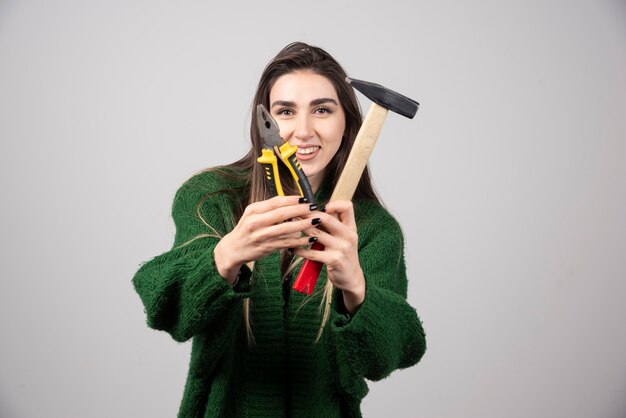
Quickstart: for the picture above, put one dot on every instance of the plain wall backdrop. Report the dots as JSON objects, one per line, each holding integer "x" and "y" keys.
{"x": 510, "y": 184}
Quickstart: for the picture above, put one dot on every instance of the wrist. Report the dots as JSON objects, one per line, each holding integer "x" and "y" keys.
{"x": 353, "y": 298}
{"x": 226, "y": 266}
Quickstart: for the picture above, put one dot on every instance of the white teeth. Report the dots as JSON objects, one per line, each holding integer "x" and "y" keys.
{"x": 308, "y": 150}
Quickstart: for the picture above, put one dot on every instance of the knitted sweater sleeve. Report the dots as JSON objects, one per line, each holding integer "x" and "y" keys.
{"x": 181, "y": 289}
{"x": 385, "y": 333}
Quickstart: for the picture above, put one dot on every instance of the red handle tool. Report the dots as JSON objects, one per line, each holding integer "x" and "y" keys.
{"x": 310, "y": 271}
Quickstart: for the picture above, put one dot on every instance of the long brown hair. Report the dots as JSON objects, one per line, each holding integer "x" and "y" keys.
{"x": 299, "y": 56}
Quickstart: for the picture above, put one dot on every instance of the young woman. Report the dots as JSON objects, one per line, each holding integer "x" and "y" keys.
{"x": 260, "y": 349}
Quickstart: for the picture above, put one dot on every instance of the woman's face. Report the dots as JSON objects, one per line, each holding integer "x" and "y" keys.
{"x": 306, "y": 107}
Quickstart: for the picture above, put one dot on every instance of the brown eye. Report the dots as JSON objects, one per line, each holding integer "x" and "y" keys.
{"x": 323, "y": 110}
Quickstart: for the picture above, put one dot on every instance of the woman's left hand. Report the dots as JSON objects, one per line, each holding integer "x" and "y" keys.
{"x": 338, "y": 233}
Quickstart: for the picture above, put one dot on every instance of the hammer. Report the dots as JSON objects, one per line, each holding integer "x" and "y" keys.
{"x": 383, "y": 100}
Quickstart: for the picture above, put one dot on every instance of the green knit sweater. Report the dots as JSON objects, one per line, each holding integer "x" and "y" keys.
{"x": 284, "y": 374}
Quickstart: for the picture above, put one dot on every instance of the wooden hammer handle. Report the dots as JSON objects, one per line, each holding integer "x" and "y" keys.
{"x": 360, "y": 153}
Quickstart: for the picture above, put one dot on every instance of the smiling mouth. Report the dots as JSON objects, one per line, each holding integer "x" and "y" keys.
{"x": 307, "y": 150}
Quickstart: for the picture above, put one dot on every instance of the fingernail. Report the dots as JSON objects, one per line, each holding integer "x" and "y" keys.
{"x": 312, "y": 239}
{"x": 313, "y": 207}
{"x": 316, "y": 221}
{"x": 323, "y": 209}
{"x": 303, "y": 200}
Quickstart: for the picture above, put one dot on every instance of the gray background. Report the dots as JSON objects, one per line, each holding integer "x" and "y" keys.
{"x": 510, "y": 184}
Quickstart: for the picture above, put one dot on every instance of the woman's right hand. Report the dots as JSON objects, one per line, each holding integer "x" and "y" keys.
{"x": 261, "y": 231}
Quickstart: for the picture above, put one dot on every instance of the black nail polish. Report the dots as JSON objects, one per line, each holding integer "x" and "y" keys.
{"x": 313, "y": 207}
{"x": 316, "y": 221}
{"x": 303, "y": 200}
{"x": 312, "y": 239}
{"x": 323, "y": 209}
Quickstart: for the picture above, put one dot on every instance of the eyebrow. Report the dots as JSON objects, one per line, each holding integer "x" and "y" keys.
{"x": 313, "y": 102}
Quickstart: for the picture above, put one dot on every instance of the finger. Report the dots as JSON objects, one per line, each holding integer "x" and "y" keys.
{"x": 286, "y": 228}
{"x": 273, "y": 203}
{"x": 333, "y": 243}
{"x": 344, "y": 209}
{"x": 334, "y": 226}
{"x": 313, "y": 255}
{"x": 321, "y": 236}
{"x": 282, "y": 214}
{"x": 290, "y": 242}
{"x": 256, "y": 219}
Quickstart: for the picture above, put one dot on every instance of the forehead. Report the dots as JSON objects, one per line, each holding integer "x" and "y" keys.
{"x": 302, "y": 86}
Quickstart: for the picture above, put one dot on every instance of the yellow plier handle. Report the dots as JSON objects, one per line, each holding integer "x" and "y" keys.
{"x": 288, "y": 155}
{"x": 270, "y": 164}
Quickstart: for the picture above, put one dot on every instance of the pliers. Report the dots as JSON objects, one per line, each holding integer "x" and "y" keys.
{"x": 274, "y": 144}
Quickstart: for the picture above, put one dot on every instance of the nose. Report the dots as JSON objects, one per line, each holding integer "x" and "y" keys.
{"x": 304, "y": 127}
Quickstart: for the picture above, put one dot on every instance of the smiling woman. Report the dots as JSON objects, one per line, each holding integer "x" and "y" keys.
{"x": 260, "y": 348}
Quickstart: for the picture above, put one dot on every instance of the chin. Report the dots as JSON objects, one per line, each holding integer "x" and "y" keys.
{"x": 310, "y": 172}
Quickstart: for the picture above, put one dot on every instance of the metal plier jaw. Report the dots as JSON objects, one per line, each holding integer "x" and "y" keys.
{"x": 274, "y": 144}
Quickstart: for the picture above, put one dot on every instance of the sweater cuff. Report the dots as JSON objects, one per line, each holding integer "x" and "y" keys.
{"x": 368, "y": 313}
{"x": 351, "y": 334}
{"x": 383, "y": 334}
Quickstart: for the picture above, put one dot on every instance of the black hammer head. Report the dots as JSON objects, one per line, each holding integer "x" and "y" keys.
{"x": 386, "y": 98}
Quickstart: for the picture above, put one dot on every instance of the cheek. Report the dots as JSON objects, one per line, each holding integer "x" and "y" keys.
{"x": 334, "y": 134}
{"x": 285, "y": 128}
{"x": 333, "y": 141}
